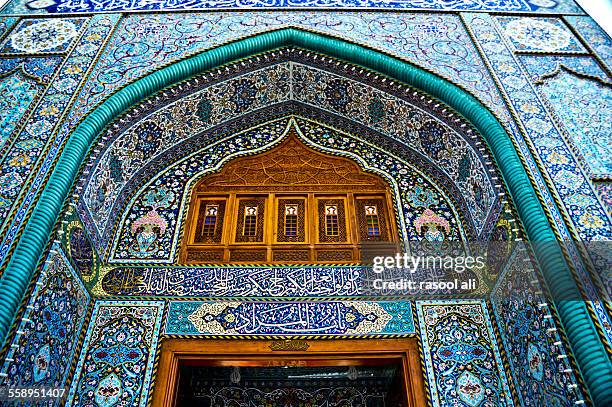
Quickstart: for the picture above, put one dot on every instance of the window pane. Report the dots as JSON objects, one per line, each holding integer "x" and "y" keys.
{"x": 371, "y": 215}
{"x": 372, "y": 222}
{"x": 250, "y": 221}
{"x": 210, "y": 220}
{"x": 291, "y": 220}
{"x": 331, "y": 220}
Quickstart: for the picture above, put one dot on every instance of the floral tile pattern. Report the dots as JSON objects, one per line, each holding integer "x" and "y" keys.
{"x": 111, "y": 174}
{"x": 539, "y": 34}
{"x": 354, "y": 318}
{"x": 540, "y": 67}
{"x": 17, "y": 91}
{"x": 35, "y": 149}
{"x": 595, "y": 36}
{"x": 542, "y": 378}
{"x": 156, "y": 199}
{"x": 533, "y": 73}
{"x": 116, "y": 362}
{"x": 584, "y": 106}
{"x": 52, "y": 324}
{"x": 38, "y": 35}
{"x": 462, "y": 361}
{"x": 436, "y": 42}
{"x": 83, "y": 6}
{"x": 568, "y": 180}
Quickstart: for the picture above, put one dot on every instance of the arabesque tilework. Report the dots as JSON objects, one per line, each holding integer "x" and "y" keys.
{"x": 545, "y": 77}
{"x": 82, "y": 6}
{"x": 39, "y": 35}
{"x": 523, "y": 319}
{"x": 115, "y": 365}
{"x": 462, "y": 361}
{"x": 567, "y": 178}
{"x": 50, "y": 329}
{"x": 352, "y": 318}
{"x": 33, "y": 151}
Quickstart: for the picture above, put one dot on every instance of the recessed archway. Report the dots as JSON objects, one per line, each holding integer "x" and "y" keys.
{"x": 591, "y": 356}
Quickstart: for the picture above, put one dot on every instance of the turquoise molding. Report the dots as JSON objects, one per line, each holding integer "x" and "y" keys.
{"x": 586, "y": 345}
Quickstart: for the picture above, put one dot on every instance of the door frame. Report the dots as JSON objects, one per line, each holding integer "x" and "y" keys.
{"x": 290, "y": 352}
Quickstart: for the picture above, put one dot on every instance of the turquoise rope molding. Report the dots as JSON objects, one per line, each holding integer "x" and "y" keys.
{"x": 590, "y": 353}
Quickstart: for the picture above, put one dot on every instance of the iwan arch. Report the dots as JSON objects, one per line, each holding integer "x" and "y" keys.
{"x": 451, "y": 173}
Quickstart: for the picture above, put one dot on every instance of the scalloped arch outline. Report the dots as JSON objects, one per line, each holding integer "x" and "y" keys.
{"x": 584, "y": 339}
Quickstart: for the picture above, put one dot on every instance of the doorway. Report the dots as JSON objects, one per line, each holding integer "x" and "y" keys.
{"x": 288, "y": 373}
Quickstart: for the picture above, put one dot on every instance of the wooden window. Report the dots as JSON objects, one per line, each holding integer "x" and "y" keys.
{"x": 291, "y": 220}
{"x": 372, "y": 218}
{"x": 250, "y": 219}
{"x": 372, "y": 223}
{"x": 249, "y": 228}
{"x": 288, "y": 205}
{"x": 331, "y": 220}
{"x": 210, "y": 220}
{"x": 209, "y": 226}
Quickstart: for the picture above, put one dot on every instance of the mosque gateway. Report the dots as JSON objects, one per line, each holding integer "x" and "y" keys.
{"x": 324, "y": 203}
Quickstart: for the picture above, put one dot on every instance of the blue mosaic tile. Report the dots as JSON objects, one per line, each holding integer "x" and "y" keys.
{"x": 570, "y": 181}
{"x": 584, "y": 107}
{"x": 25, "y": 154}
{"x": 463, "y": 365}
{"x": 354, "y": 318}
{"x": 437, "y": 42}
{"x": 539, "y": 34}
{"x": 42, "y": 69}
{"x": 39, "y": 35}
{"x": 542, "y": 379}
{"x": 540, "y": 66}
{"x": 42, "y": 353}
{"x": 116, "y": 364}
{"x": 84, "y": 6}
{"x": 6, "y": 23}
{"x": 592, "y": 33}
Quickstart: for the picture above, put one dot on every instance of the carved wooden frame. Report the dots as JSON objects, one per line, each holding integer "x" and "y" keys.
{"x": 334, "y": 352}
{"x": 219, "y": 185}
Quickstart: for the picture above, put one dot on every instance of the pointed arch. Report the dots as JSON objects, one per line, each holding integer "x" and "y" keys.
{"x": 584, "y": 339}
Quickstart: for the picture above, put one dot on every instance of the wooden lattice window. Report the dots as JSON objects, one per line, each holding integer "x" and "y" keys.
{"x": 372, "y": 222}
{"x": 291, "y": 204}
